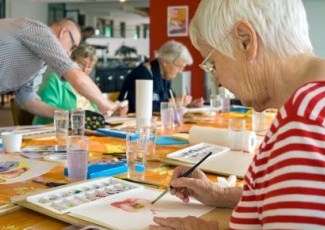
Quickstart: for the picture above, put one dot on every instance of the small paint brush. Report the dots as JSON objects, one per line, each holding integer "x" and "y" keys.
{"x": 187, "y": 173}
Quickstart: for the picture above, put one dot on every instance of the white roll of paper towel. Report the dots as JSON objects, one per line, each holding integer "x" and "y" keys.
{"x": 143, "y": 99}
{"x": 218, "y": 136}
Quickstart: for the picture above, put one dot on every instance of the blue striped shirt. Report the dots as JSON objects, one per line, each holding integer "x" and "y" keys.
{"x": 26, "y": 47}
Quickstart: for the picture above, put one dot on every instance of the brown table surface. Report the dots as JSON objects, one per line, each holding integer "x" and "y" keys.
{"x": 14, "y": 217}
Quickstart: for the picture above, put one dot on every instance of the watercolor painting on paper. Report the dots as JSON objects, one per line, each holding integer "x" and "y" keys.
{"x": 137, "y": 209}
{"x": 13, "y": 170}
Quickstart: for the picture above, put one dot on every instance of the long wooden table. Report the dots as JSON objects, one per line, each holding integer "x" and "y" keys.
{"x": 13, "y": 217}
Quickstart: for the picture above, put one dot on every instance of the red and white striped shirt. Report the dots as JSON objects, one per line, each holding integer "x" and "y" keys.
{"x": 285, "y": 184}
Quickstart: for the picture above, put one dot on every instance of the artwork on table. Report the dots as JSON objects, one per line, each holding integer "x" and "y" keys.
{"x": 14, "y": 170}
{"x": 177, "y": 21}
{"x": 137, "y": 209}
{"x": 135, "y": 205}
{"x": 114, "y": 203}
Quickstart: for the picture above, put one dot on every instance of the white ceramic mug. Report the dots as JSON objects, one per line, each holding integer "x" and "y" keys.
{"x": 11, "y": 141}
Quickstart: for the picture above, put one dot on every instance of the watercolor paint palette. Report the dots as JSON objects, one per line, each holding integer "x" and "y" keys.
{"x": 70, "y": 197}
{"x": 195, "y": 153}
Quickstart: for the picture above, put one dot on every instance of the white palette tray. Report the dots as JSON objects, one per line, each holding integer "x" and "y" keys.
{"x": 195, "y": 153}
{"x": 66, "y": 199}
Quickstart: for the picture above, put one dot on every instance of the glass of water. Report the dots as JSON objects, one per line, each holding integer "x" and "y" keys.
{"x": 166, "y": 114}
{"x": 136, "y": 154}
{"x": 78, "y": 122}
{"x": 236, "y": 130}
{"x": 61, "y": 126}
{"x": 77, "y": 155}
{"x": 148, "y": 128}
{"x": 215, "y": 104}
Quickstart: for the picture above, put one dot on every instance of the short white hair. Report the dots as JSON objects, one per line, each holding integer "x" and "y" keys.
{"x": 281, "y": 24}
{"x": 172, "y": 51}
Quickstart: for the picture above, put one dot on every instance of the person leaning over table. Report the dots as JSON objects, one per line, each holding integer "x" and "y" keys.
{"x": 261, "y": 51}
{"x": 57, "y": 92}
{"x": 27, "y": 47}
{"x": 171, "y": 59}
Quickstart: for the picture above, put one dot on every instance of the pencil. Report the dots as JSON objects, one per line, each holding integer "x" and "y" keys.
{"x": 187, "y": 173}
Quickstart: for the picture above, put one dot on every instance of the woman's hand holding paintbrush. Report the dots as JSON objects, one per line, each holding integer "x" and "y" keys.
{"x": 181, "y": 174}
{"x": 183, "y": 187}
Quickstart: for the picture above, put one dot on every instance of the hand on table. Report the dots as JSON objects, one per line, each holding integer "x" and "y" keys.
{"x": 108, "y": 108}
{"x": 186, "y": 223}
{"x": 199, "y": 102}
{"x": 121, "y": 111}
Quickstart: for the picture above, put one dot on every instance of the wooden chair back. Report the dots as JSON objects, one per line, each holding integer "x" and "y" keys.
{"x": 19, "y": 116}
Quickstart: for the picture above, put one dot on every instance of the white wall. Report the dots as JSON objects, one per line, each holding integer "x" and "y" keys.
{"x": 316, "y": 18}
{"x": 26, "y": 8}
{"x": 37, "y": 10}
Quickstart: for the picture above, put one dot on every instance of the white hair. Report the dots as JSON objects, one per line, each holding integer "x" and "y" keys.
{"x": 172, "y": 51}
{"x": 281, "y": 24}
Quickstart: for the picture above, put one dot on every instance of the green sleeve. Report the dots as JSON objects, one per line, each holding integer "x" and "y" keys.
{"x": 50, "y": 94}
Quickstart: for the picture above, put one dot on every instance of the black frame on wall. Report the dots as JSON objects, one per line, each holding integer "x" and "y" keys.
{"x": 72, "y": 14}
{"x": 55, "y": 12}
{"x": 2, "y": 8}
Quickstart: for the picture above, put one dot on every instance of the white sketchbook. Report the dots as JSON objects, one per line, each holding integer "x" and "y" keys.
{"x": 134, "y": 211}
{"x": 114, "y": 203}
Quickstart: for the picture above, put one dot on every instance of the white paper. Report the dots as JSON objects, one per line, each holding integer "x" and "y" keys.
{"x": 143, "y": 97}
{"x": 119, "y": 120}
{"x": 107, "y": 215}
{"x": 14, "y": 169}
{"x": 29, "y": 130}
{"x": 219, "y": 136}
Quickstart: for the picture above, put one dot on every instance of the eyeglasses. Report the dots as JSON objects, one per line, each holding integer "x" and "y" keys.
{"x": 180, "y": 67}
{"x": 74, "y": 44}
{"x": 206, "y": 65}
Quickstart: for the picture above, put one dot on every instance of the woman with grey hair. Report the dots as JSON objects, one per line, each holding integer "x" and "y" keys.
{"x": 261, "y": 51}
{"x": 171, "y": 59}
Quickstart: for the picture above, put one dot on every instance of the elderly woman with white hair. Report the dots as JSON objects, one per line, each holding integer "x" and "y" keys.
{"x": 261, "y": 51}
{"x": 171, "y": 59}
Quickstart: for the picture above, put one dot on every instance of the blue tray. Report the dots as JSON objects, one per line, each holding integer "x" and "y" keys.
{"x": 104, "y": 168}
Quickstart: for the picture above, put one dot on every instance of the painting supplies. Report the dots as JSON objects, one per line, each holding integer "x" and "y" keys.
{"x": 177, "y": 118}
{"x": 187, "y": 173}
{"x": 108, "y": 202}
{"x": 75, "y": 195}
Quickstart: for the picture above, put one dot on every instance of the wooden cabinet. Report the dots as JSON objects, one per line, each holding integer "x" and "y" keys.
{"x": 111, "y": 80}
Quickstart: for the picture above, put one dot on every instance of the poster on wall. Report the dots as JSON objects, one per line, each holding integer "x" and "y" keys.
{"x": 177, "y": 21}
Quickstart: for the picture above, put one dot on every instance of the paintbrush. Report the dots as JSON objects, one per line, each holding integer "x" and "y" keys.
{"x": 187, "y": 173}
